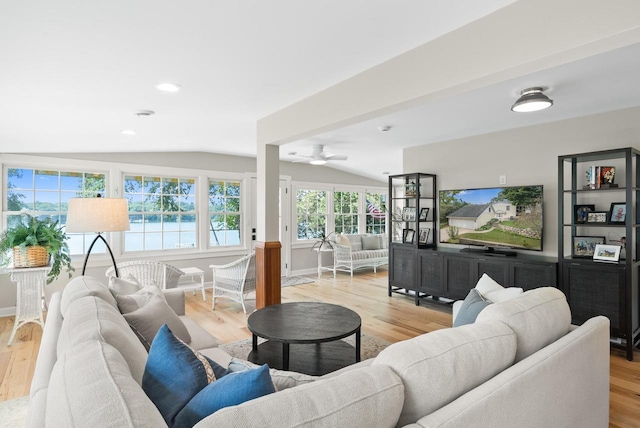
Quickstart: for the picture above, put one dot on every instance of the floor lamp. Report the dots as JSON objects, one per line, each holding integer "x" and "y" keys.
{"x": 97, "y": 215}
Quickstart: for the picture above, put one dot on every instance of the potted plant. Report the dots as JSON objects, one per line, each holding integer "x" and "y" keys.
{"x": 35, "y": 242}
{"x": 323, "y": 242}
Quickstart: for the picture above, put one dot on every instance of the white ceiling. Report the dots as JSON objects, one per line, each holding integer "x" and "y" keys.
{"x": 73, "y": 72}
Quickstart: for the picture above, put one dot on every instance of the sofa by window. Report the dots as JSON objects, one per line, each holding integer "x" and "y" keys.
{"x": 358, "y": 251}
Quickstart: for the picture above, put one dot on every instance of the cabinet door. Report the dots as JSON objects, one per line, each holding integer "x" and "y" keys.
{"x": 498, "y": 270}
{"x": 430, "y": 273}
{"x": 460, "y": 273}
{"x": 533, "y": 275}
{"x": 595, "y": 290}
{"x": 402, "y": 272}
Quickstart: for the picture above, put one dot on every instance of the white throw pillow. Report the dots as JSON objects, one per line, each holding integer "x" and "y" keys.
{"x": 343, "y": 240}
{"x": 493, "y": 292}
{"x": 126, "y": 285}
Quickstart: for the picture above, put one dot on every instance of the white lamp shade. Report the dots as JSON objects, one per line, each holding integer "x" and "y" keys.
{"x": 97, "y": 215}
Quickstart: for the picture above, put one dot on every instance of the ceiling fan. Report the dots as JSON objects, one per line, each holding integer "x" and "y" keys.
{"x": 318, "y": 156}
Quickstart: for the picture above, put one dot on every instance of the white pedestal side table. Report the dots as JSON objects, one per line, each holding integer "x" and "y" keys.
{"x": 193, "y": 284}
{"x": 320, "y": 250}
{"x": 30, "y": 284}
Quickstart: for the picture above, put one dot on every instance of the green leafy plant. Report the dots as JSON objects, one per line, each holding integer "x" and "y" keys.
{"x": 32, "y": 232}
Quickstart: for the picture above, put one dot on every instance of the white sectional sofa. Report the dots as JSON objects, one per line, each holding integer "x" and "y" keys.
{"x": 357, "y": 251}
{"x": 521, "y": 364}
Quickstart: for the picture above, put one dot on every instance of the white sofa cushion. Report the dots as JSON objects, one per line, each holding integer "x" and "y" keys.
{"x": 83, "y": 286}
{"x": 91, "y": 386}
{"x": 91, "y": 318}
{"x": 538, "y": 317}
{"x": 367, "y": 397}
{"x": 438, "y": 367}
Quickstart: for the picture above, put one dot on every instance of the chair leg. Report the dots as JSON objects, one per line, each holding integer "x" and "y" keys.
{"x": 213, "y": 300}
{"x": 244, "y": 308}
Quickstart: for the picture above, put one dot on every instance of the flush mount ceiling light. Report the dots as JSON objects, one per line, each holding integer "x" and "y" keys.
{"x": 168, "y": 87}
{"x": 317, "y": 162}
{"x": 144, "y": 113}
{"x": 531, "y": 99}
{"x": 128, "y": 132}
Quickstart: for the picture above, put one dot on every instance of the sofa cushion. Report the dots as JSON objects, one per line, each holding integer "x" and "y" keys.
{"x": 343, "y": 240}
{"x": 91, "y": 386}
{"x": 233, "y": 389}
{"x": 538, "y": 317}
{"x": 147, "y": 320}
{"x": 82, "y": 286}
{"x": 438, "y": 367}
{"x": 128, "y": 303}
{"x": 91, "y": 318}
{"x": 370, "y": 242}
{"x": 471, "y": 307}
{"x": 369, "y": 254}
{"x": 126, "y": 285}
{"x": 174, "y": 373}
{"x": 355, "y": 241}
{"x": 282, "y": 379}
{"x": 366, "y": 397}
{"x": 493, "y": 292}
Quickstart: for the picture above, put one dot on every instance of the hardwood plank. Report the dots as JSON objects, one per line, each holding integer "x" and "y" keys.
{"x": 392, "y": 318}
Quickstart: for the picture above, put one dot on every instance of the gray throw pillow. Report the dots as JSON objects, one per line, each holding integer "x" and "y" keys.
{"x": 471, "y": 307}
{"x": 147, "y": 320}
{"x": 126, "y": 285}
{"x": 370, "y": 243}
{"x": 128, "y": 303}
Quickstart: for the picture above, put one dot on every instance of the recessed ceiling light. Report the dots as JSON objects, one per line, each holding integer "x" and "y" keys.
{"x": 168, "y": 87}
{"x": 128, "y": 132}
{"x": 386, "y": 172}
{"x": 144, "y": 113}
{"x": 385, "y": 128}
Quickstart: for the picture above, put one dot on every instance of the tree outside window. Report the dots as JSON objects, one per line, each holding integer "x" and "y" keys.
{"x": 345, "y": 210}
{"x": 376, "y": 219}
{"x": 224, "y": 213}
{"x": 311, "y": 213}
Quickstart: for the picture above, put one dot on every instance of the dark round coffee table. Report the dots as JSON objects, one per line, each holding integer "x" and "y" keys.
{"x": 304, "y": 337}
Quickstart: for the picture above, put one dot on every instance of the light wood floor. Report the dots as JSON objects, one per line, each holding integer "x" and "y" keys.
{"x": 390, "y": 318}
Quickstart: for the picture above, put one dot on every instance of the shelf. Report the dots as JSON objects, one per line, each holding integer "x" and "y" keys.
{"x": 612, "y": 189}
{"x": 595, "y": 225}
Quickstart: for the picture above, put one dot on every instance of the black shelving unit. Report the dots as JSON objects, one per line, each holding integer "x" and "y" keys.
{"x": 592, "y": 287}
{"x": 413, "y": 227}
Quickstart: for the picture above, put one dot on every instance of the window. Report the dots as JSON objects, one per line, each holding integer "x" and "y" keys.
{"x": 47, "y": 192}
{"x": 376, "y": 219}
{"x": 345, "y": 210}
{"x": 162, "y": 212}
{"x": 224, "y": 213}
{"x": 311, "y": 213}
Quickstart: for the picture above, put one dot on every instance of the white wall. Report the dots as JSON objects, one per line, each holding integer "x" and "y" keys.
{"x": 527, "y": 156}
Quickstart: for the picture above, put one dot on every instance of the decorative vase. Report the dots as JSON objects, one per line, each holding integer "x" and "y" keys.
{"x": 36, "y": 256}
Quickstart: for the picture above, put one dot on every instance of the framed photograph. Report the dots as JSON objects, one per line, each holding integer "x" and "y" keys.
{"x": 580, "y": 213}
{"x": 424, "y": 212}
{"x": 409, "y": 214}
{"x": 424, "y": 235}
{"x": 607, "y": 253}
{"x": 618, "y": 213}
{"x": 408, "y": 235}
{"x": 597, "y": 217}
{"x": 607, "y": 175}
{"x": 585, "y": 246}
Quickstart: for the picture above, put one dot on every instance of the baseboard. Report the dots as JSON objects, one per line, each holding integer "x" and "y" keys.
{"x": 7, "y": 312}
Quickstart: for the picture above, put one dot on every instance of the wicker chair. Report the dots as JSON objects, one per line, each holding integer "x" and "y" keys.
{"x": 234, "y": 280}
{"x": 149, "y": 272}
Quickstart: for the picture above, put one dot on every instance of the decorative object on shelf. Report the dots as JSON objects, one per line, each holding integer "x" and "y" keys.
{"x": 618, "y": 213}
{"x": 410, "y": 189}
{"x": 98, "y": 215}
{"x": 581, "y": 212}
{"x": 531, "y": 99}
{"x": 424, "y": 235}
{"x": 324, "y": 242}
{"x": 408, "y": 235}
{"x": 585, "y": 246}
{"x": 424, "y": 212}
{"x": 607, "y": 253}
{"x": 35, "y": 242}
{"x": 597, "y": 217}
{"x": 409, "y": 214}
{"x": 601, "y": 177}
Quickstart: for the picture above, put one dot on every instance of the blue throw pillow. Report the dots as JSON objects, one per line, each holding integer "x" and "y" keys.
{"x": 470, "y": 308}
{"x": 231, "y": 390}
{"x": 174, "y": 373}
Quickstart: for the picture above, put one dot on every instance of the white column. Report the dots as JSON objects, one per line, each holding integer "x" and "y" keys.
{"x": 268, "y": 169}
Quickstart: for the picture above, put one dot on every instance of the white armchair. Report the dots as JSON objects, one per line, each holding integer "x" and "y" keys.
{"x": 234, "y": 280}
{"x": 149, "y": 272}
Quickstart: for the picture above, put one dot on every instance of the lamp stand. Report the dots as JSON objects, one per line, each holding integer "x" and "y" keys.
{"x": 108, "y": 248}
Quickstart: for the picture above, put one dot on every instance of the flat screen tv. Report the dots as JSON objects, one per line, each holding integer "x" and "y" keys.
{"x": 495, "y": 220}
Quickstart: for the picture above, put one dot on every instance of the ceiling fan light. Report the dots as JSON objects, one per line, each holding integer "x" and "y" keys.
{"x": 531, "y": 99}
{"x": 317, "y": 162}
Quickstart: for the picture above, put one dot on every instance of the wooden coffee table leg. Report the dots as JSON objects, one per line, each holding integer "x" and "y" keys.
{"x": 254, "y": 342}
{"x": 358, "y": 346}
{"x": 285, "y": 356}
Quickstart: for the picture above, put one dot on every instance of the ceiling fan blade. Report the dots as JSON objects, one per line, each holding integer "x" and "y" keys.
{"x": 337, "y": 157}
{"x": 301, "y": 160}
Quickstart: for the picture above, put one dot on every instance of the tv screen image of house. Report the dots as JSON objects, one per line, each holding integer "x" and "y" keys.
{"x": 497, "y": 217}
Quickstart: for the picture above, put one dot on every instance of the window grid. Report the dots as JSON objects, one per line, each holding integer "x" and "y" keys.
{"x": 345, "y": 210}
{"x": 376, "y": 218}
{"x": 311, "y": 213}
{"x": 225, "y": 216}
